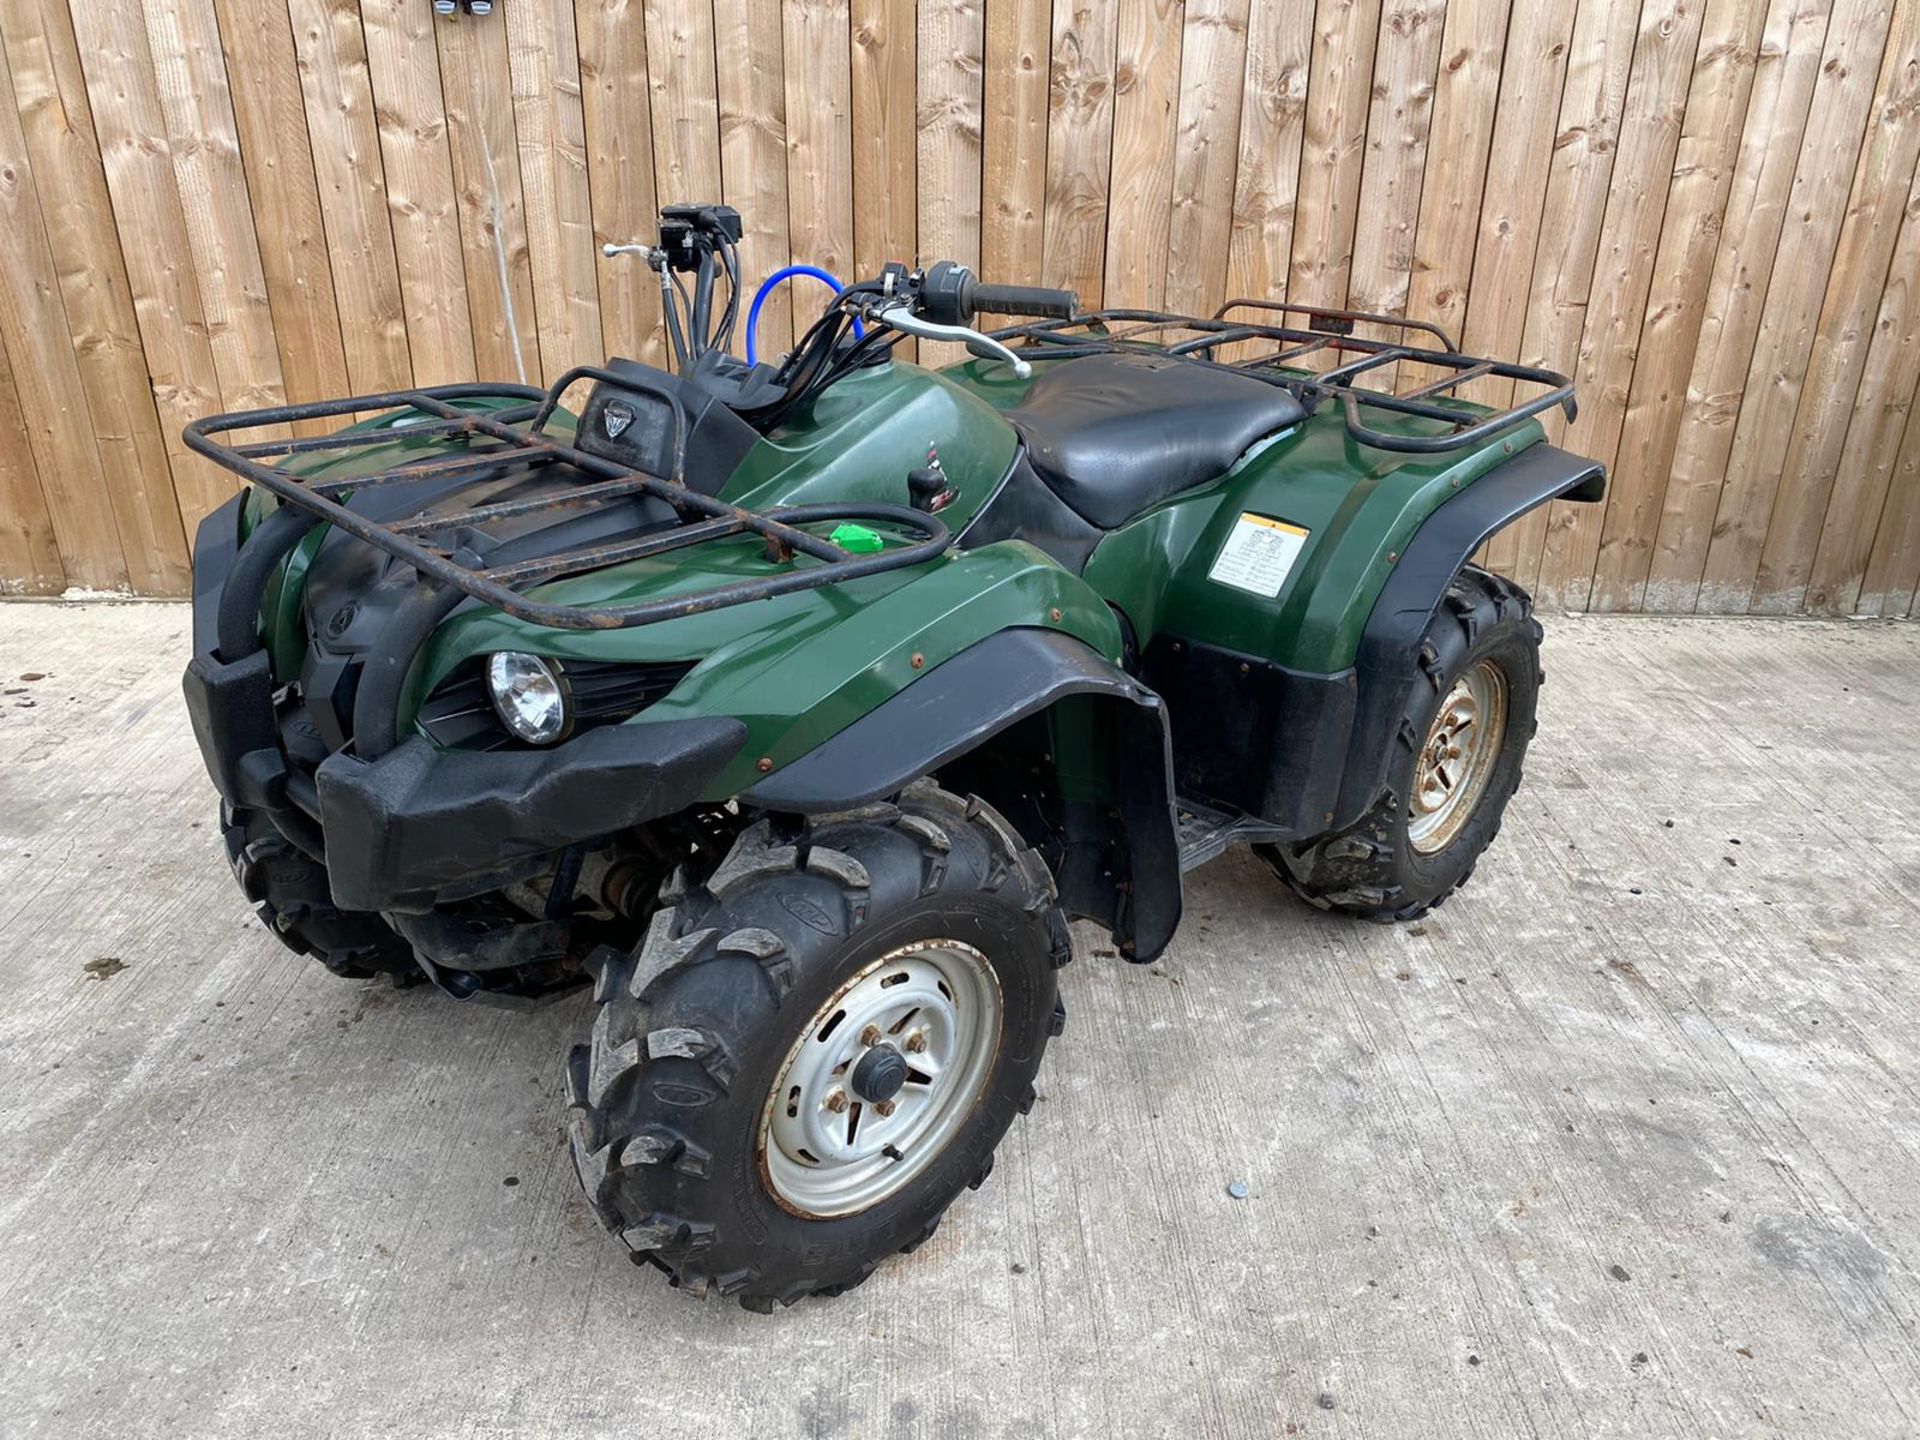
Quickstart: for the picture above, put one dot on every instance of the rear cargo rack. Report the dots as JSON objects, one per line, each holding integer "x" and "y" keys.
{"x": 447, "y": 548}
{"x": 1289, "y": 347}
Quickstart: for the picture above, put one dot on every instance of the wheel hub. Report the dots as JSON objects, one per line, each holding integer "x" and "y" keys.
{"x": 885, "y": 1073}
{"x": 880, "y": 1074}
{"x": 1458, "y": 757}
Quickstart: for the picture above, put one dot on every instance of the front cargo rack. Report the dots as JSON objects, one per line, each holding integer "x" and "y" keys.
{"x": 445, "y": 548}
{"x": 1286, "y": 348}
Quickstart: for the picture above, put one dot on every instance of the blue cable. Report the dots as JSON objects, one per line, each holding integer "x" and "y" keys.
{"x": 812, "y": 272}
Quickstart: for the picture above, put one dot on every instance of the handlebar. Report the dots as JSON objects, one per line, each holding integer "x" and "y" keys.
{"x": 950, "y": 295}
{"x": 1040, "y": 301}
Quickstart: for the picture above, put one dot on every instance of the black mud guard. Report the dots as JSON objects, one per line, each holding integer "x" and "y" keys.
{"x": 1386, "y": 664}
{"x": 960, "y": 705}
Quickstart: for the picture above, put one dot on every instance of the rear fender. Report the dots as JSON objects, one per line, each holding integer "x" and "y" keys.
{"x": 1070, "y": 748}
{"x": 1386, "y": 665}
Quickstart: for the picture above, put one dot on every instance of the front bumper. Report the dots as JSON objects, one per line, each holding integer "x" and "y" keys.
{"x": 419, "y": 825}
{"x": 418, "y": 821}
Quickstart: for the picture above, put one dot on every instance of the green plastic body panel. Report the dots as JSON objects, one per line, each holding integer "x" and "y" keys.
{"x": 1360, "y": 506}
{"x": 859, "y": 440}
{"x": 799, "y": 668}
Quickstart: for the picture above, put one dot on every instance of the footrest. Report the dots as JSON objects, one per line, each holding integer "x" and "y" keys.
{"x": 1206, "y": 832}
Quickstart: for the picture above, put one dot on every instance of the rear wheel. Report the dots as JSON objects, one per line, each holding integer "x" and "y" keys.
{"x": 818, "y": 1046}
{"x": 1456, "y": 763}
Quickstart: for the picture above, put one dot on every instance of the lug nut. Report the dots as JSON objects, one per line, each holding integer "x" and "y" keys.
{"x": 886, "y": 1107}
{"x": 836, "y": 1101}
{"x": 870, "y": 1035}
{"x": 917, "y": 1041}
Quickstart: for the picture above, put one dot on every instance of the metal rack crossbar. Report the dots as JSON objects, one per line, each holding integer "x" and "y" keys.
{"x": 1305, "y": 334}
{"x": 443, "y": 548}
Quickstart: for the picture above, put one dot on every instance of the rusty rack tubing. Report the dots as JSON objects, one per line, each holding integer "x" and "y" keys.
{"x": 1327, "y": 332}
{"x": 703, "y": 517}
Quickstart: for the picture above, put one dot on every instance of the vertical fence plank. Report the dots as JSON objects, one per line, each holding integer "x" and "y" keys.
{"x": 337, "y": 89}
{"x": 1659, "y": 83}
{"x": 56, "y": 122}
{"x": 819, "y": 144}
{"x": 1881, "y": 411}
{"x": 1795, "y": 290}
{"x": 1785, "y": 77}
{"x": 753, "y": 149}
{"x": 204, "y": 143}
{"x": 1581, "y": 173}
{"x": 1213, "y": 71}
{"x": 885, "y": 70}
{"x": 33, "y": 327}
{"x": 1399, "y": 120}
{"x": 1013, "y": 162}
{"x": 1079, "y": 147}
{"x": 1519, "y": 168}
{"x": 1703, "y": 169}
{"x": 1876, "y": 209}
{"x": 620, "y": 161}
{"x": 1892, "y": 583}
{"x": 885, "y": 76}
{"x": 257, "y": 37}
{"x": 410, "y": 109}
{"x": 1466, "y": 94}
{"x": 1339, "y": 91}
{"x": 686, "y": 100}
{"x": 1512, "y": 207}
{"x": 1146, "y": 98}
{"x": 1273, "y": 127}
{"x": 146, "y": 211}
{"x": 477, "y": 82}
{"x": 551, "y": 128}
{"x": 29, "y": 553}
{"x": 950, "y": 47}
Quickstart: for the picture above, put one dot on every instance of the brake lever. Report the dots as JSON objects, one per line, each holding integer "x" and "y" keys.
{"x": 654, "y": 259}
{"x": 899, "y": 315}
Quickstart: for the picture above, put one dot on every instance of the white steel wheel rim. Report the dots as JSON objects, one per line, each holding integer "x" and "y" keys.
{"x": 829, "y": 1149}
{"x": 1458, "y": 757}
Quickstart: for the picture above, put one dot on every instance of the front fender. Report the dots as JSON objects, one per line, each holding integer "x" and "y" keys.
{"x": 958, "y": 708}
{"x": 951, "y": 710}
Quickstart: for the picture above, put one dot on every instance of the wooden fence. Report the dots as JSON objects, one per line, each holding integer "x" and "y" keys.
{"x": 1705, "y": 209}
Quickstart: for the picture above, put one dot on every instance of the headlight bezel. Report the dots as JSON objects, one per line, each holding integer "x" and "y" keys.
{"x": 543, "y": 671}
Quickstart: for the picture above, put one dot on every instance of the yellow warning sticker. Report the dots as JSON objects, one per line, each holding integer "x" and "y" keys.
{"x": 1259, "y": 554}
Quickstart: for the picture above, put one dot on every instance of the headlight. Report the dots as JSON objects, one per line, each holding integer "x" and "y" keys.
{"x": 530, "y": 695}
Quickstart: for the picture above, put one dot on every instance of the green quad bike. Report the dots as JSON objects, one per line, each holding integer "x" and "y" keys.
{"x": 801, "y": 705}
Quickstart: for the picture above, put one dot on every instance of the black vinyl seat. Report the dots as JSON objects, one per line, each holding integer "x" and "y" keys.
{"x": 1114, "y": 434}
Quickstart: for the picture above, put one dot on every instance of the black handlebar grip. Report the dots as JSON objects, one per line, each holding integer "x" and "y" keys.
{"x": 1041, "y": 301}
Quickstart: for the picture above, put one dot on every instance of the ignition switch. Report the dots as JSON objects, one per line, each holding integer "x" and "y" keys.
{"x": 927, "y": 486}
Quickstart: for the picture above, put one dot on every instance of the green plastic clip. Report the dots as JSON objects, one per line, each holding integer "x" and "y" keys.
{"x": 857, "y": 539}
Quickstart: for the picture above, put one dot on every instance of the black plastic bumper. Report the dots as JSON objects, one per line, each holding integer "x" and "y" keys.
{"x": 418, "y": 821}
{"x": 419, "y": 824}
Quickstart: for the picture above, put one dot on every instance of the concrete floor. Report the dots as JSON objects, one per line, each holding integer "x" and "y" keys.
{"x": 1623, "y": 1141}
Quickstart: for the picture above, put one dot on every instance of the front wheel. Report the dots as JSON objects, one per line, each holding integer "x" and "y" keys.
{"x": 291, "y": 895}
{"x": 1456, "y": 763}
{"x": 818, "y": 1046}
